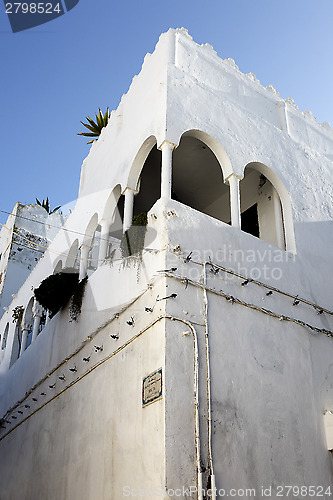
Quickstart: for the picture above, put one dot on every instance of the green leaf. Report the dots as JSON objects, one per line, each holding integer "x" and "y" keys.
{"x": 55, "y": 209}
{"x": 95, "y": 126}
{"x": 93, "y": 129}
{"x": 87, "y": 134}
{"x": 91, "y": 121}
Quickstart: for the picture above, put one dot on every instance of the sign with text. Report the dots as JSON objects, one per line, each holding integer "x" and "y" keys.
{"x": 152, "y": 387}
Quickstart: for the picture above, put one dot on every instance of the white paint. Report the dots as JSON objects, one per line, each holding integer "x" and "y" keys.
{"x": 84, "y": 261}
{"x": 328, "y": 420}
{"x": 167, "y": 149}
{"x": 128, "y": 209}
{"x": 233, "y": 181}
{"x": 23, "y": 240}
{"x": 37, "y": 312}
{"x": 270, "y": 379}
{"x": 104, "y": 244}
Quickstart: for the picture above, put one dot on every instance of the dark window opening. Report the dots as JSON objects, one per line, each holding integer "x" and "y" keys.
{"x": 198, "y": 180}
{"x": 149, "y": 183}
{"x": 250, "y": 221}
{"x": 116, "y": 230}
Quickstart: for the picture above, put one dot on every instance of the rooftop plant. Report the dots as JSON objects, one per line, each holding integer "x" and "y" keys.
{"x": 46, "y": 204}
{"x": 96, "y": 127}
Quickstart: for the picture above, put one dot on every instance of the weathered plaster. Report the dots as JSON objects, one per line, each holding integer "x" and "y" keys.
{"x": 84, "y": 433}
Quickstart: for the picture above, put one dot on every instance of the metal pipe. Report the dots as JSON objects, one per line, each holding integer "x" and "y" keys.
{"x": 209, "y": 400}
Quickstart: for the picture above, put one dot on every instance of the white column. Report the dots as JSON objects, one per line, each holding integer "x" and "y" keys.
{"x": 37, "y": 312}
{"x": 84, "y": 261}
{"x": 25, "y": 331}
{"x": 233, "y": 181}
{"x": 128, "y": 209}
{"x": 104, "y": 241}
{"x": 166, "y": 174}
{"x": 47, "y": 319}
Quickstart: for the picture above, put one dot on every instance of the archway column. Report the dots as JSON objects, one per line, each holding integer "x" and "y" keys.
{"x": 25, "y": 331}
{"x": 84, "y": 261}
{"x": 37, "y": 312}
{"x": 166, "y": 173}
{"x": 47, "y": 318}
{"x": 104, "y": 241}
{"x": 128, "y": 208}
{"x": 233, "y": 181}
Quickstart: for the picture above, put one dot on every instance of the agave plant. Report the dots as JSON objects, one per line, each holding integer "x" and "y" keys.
{"x": 46, "y": 204}
{"x": 96, "y": 127}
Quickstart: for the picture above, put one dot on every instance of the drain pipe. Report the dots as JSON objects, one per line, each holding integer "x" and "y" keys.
{"x": 196, "y": 401}
{"x": 209, "y": 401}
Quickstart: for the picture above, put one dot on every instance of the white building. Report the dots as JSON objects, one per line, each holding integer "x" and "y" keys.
{"x": 207, "y": 360}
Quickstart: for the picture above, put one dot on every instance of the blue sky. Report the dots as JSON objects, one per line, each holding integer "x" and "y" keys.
{"x": 54, "y": 75}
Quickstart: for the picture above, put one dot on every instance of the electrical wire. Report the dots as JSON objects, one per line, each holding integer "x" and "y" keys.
{"x": 43, "y": 223}
{"x": 256, "y": 282}
{"x": 235, "y": 300}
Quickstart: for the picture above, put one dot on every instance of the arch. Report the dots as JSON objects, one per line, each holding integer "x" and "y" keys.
{"x": 145, "y": 176}
{"x": 27, "y": 321}
{"x": 72, "y": 256}
{"x": 27, "y": 314}
{"x": 139, "y": 162}
{"x": 58, "y": 267}
{"x": 111, "y": 204}
{"x": 5, "y": 336}
{"x": 90, "y": 230}
{"x": 94, "y": 250}
{"x": 16, "y": 345}
{"x": 198, "y": 178}
{"x": 148, "y": 189}
{"x": 279, "y": 228}
{"x": 218, "y": 150}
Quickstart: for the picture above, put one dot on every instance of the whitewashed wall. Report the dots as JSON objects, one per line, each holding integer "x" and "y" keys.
{"x": 19, "y": 255}
{"x": 271, "y": 379}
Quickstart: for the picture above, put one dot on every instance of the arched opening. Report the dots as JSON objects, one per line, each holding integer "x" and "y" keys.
{"x": 42, "y": 322}
{"x": 4, "y": 338}
{"x": 3, "y": 342}
{"x": 198, "y": 179}
{"x": 116, "y": 229}
{"x": 113, "y": 215}
{"x": 262, "y": 213}
{"x": 27, "y": 323}
{"x": 197, "y": 175}
{"x": 16, "y": 346}
{"x": 110, "y": 229}
{"x": 90, "y": 231}
{"x": 58, "y": 267}
{"x": 72, "y": 261}
{"x": 94, "y": 250}
{"x": 149, "y": 182}
{"x": 86, "y": 247}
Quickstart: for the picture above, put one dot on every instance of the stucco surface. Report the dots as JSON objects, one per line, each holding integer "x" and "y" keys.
{"x": 260, "y": 316}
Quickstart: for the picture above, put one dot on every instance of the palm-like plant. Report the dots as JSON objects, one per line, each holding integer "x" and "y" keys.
{"x": 96, "y": 127}
{"x": 46, "y": 204}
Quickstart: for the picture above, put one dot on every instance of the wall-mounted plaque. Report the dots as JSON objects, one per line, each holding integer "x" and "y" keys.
{"x": 152, "y": 387}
